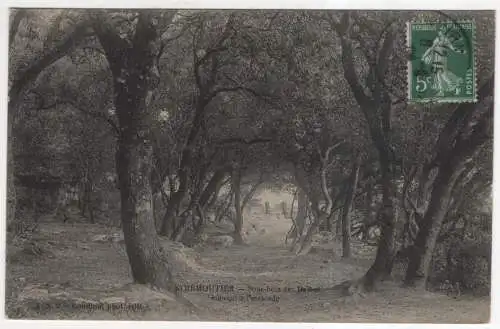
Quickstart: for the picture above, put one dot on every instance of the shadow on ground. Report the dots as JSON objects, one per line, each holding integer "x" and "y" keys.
{"x": 80, "y": 271}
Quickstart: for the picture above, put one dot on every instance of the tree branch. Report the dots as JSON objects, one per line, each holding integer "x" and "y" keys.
{"x": 100, "y": 51}
{"x": 211, "y": 51}
{"x": 331, "y": 148}
{"x": 58, "y": 51}
{"x": 14, "y": 26}
{"x": 114, "y": 46}
{"x": 242, "y": 141}
{"x": 251, "y": 192}
{"x": 217, "y": 91}
{"x": 196, "y": 60}
{"x": 383, "y": 55}
{"x": 451, "y": 131}
{"x": 94, "y": 114}
{"x": 348, "y": 60}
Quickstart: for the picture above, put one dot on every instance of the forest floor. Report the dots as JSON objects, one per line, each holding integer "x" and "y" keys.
{"x": 79, "y": 275}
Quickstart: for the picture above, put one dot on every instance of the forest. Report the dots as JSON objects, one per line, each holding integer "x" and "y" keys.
{"x": 243, "y": 165}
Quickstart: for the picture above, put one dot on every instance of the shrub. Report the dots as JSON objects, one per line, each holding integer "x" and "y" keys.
{"x": 465, "y": 257}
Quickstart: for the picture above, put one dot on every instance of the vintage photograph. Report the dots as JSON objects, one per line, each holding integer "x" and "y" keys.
{"x": 249, "y": 165}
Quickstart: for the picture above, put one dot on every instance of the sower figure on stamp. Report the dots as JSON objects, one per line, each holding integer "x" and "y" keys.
{"x": 437, "y": 56}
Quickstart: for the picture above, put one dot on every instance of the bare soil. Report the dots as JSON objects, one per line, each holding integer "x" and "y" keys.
{"x": 78, "y": 276}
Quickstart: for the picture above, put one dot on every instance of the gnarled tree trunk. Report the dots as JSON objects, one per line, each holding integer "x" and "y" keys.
{"x": 303, "y": 245}
{"x": 346, "y": 223}
{"x": 466, "y": 131}
{"x": 300, "y": 218}
{"x": 429, "y": 228}
{"x": 382, "y": 266}
{"x": 135, "y": 73}
{"x": 170, "y": 221}
{"x": 213, "y": 187}
{"x": 377, "y": 109}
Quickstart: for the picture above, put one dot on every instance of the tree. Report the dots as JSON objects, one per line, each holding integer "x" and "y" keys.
{"x": 299, "y": 222}
{"x": 349, "y": 198}
{"x": 374, "y": 75}
{"x": 215, "y": 45}
{"x": 377, "y": 108}
{"x": 238, "y": 217}
{"x": 447, "y": 165}
{"x": 461, "y": 139}
{"x": 133, "y": 61}
{"x": 57, "y": 40}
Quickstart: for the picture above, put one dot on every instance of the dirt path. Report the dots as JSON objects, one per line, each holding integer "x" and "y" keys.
{"x": 264, "y": 268}
{"x": 260, "y": 274}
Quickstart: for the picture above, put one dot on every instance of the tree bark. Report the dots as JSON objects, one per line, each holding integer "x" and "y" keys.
{"x": 135, "y": 73}
{"x": 382, "y": 266}
{"x": 329, "y": 223}
{"x": 432, "y": 221}
{"x": 215, "y": 196}
{"x": 11, "y": 186}
{"x": 15, "y": 20}
{"x": 300, "y": 218}
{"x": 346, "y": 223}
{"x": 338, "y": 225}
{"x": 212, "y": 187}
{"x": 198, "y": 227}
{"x": 250, "y": 195}
{"x": 143, "y": 248}
{"x": 169, "y": 222}
{"x": 430, "y": 226}
{"x": 238, "y": 219}
{"x": 223, "y": 208}
{"x": 89, "y": 204}
{"x": 304, "y": 241}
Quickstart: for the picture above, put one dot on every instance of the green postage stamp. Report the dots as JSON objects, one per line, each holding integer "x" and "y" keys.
{"x": 442, "y": 63}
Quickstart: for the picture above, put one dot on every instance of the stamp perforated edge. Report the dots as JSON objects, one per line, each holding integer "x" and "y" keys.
{"x": 409, "y": 67}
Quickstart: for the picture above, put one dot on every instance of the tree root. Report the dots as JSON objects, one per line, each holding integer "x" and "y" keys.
{"x": 354, "y": 288}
